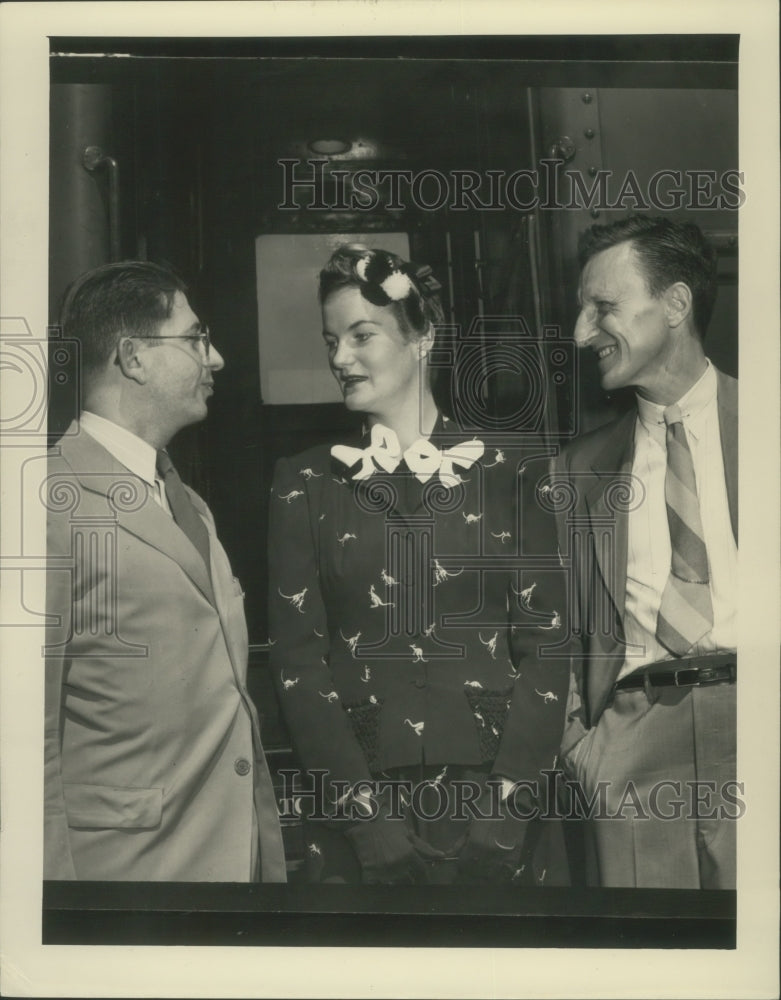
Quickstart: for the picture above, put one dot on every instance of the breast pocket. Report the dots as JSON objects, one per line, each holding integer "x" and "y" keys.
{"x": 98, "y": 807}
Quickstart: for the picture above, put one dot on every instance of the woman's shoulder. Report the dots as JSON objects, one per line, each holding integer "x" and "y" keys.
{"x": 303, "y": 471}
{"x": 314, "y": 466}
{"x": 319, "y": 457}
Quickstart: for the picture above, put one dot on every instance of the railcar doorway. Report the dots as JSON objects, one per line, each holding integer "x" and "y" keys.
{"x": 240, "y": 166}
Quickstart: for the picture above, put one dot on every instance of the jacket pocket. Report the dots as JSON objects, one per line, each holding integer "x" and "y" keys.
{"x": 96, "y": 807}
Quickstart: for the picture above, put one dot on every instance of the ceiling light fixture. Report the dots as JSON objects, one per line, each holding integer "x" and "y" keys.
{"x": 329, "y": 147}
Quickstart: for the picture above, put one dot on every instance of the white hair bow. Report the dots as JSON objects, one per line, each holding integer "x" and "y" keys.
{"x": 422, "y": 457}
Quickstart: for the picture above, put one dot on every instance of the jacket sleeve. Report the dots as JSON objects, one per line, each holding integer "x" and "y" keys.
{"x": 539, "y": 644}
{"x": 58, "y": 860}
{"x": 299, "y": 637}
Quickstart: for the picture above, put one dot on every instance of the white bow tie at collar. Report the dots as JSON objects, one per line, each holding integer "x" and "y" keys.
{"x": 422, "y": 457}
{"x": 384, "y": 449}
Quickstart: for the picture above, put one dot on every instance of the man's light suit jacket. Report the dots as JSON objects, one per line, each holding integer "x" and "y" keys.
{"x": 153, "y": 756}
{"x": 593, "y": 530}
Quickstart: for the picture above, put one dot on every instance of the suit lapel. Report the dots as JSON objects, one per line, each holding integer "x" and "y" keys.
{"x": 612, "y": 468}
{"x": 727, "y": 399}
{"x": 608, "y": 518}
{"x": 155, "y": 527}
{"x": 134, "y": 508}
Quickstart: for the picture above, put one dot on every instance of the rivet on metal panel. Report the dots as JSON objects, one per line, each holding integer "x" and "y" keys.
{"x": 595, "y": 213}
{"x": 586, "y": 98}
{"x": 589, "y": 133}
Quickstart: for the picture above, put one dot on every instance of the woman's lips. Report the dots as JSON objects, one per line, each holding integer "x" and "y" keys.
{"x": 352, "y": 381}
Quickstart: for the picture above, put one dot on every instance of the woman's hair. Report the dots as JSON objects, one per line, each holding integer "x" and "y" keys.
{"x": 385, "y": 279}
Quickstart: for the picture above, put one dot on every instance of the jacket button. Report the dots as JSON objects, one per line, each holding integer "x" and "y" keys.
{"x": 242, "y": 766}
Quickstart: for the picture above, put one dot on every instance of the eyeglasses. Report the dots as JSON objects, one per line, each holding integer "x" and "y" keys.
{"x": 204, "y": 337}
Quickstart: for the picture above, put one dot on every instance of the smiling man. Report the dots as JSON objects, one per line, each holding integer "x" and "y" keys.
{"x": 154, "y": 767}
{"x": 652, "y": 535}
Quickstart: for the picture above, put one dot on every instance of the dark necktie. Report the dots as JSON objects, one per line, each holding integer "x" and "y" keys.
{"x": 686, "y": 612}
{"x": 185, "y": 514}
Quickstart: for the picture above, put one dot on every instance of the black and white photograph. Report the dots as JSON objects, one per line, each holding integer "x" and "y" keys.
{"x": 385, "y": 395}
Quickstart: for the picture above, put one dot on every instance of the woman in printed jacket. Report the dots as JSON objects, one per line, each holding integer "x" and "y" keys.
{"x": 416, "y": 613}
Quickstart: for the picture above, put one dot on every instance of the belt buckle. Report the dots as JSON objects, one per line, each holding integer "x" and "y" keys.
{"x": 693, "y": 672}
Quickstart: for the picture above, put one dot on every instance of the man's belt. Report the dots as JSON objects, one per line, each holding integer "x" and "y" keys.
{"x": 694, "y": 671}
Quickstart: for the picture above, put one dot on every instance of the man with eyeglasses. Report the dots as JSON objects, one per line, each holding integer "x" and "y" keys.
{"x": 154, "y": 768}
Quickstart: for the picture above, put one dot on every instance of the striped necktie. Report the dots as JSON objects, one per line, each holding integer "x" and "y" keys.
{"x": 685, "y": 612}
{"x": 185, "y": 514}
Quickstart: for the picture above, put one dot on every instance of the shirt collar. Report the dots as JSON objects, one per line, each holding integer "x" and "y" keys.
{"x": 693, "y": 404}
{"x": 137, "y": 455}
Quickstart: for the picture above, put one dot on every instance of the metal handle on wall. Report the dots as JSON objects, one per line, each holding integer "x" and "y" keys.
{"x": 562, "y": 148}
{"x": 92, "y": 158}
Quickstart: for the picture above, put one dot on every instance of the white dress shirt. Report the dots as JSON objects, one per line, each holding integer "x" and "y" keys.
{"x": 129, "y": 450}
{"x": 649, "y": 547}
